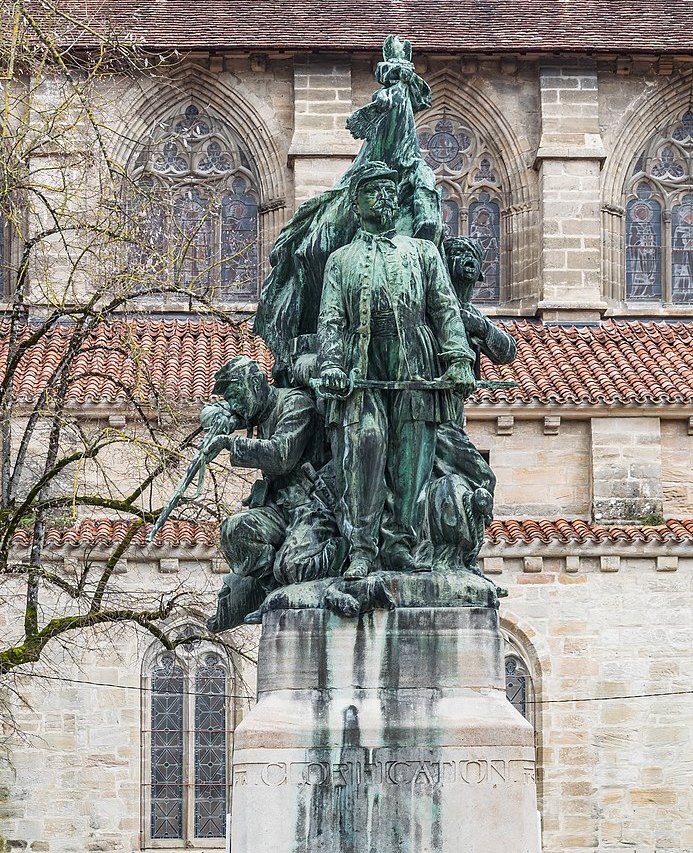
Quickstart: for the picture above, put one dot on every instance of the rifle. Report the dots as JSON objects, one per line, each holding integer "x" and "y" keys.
{"x": 220, "y": 424}
{"x": 355, "y": 383}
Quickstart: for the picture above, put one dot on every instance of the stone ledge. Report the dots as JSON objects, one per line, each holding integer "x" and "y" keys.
{"x": 388, "y": 590}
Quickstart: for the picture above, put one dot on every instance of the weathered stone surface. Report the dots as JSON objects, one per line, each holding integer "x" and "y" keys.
{"x": 418, "y": 589}
{"x": 626, "y": 469}
{"x": 387, "y": 732}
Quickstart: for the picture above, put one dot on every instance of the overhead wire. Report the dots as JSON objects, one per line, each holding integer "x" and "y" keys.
{"x": 144, "y": 688}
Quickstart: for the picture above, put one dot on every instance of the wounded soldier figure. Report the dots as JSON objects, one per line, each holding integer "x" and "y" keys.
{"x": 287, "y": 534}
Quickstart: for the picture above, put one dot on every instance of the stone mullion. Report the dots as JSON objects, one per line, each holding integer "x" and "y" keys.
{"x": 613, "y": 256}
{"x": 667, "y": 251}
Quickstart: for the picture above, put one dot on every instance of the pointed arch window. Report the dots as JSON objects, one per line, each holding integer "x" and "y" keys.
{"x": 520, "y": 689}
{"x": 659, "y": 217}
{"x": 471, "y": 193}
{"x": 194, "y": 209}
{"x": 186, "y": 748}
{"x": 518, "y": 685}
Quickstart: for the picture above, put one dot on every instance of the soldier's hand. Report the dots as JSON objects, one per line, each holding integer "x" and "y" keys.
{"x": 334, "y": 380}
{"x": 461, "y": 375}
{"x": 217, "y": 444}
{"x": 217, "y": 414}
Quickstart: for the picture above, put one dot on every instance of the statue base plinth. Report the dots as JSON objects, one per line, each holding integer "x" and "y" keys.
{"x": 385, "y": 733}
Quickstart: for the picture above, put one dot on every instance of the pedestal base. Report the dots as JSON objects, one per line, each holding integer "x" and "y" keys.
{"x": 389, "y": 733}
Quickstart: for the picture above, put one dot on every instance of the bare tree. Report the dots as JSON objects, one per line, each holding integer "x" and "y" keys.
{"x": 80, "y": 260}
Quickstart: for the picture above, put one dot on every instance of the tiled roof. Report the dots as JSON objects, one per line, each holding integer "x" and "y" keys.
{"x": 582, "y": 532}
{"x": 90, "y": 533}
{"x": 616, "y": 363}
{"x": 106, "y": 532}
{"x": 448, "y": 25}
{"x": 146, "y": 358}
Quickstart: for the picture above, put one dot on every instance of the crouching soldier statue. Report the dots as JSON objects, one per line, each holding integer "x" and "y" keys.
{"x": 287, "y": 533}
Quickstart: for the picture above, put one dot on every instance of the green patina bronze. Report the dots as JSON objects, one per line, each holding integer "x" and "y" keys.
{"x": 372, "y": 493}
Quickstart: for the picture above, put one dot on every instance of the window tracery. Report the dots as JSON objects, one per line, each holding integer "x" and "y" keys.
{"x": 659, "y": 217}
{"x": 518, "y": 685}
{"x": 187, "y": 755}
{"x": 470, "y": 192}
{"x": 195, "y": 207}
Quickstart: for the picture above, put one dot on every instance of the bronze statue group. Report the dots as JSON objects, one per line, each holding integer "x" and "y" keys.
{"x": 366, "y": 467}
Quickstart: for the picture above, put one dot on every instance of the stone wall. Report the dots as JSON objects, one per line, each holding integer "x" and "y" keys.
{"x": 563, "y": 133}
{"x": 595, "y": 622}
{"x": 613, "y": 771}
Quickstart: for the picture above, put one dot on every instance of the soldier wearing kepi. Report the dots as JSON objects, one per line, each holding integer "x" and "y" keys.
{"x": 284, "y": 535}
{"x": 388, "y": 312}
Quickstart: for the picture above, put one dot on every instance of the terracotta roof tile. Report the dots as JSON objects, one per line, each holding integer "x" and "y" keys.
{"x": 448, "y": 25}
{"x": 615, "y": 363}
{"x": 582, "y": 532}
{"x": 105, "y": 532}
{"x": 144, "y": 359}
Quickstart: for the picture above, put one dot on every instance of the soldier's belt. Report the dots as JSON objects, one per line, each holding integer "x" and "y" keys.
{"x": 355, "y": 383}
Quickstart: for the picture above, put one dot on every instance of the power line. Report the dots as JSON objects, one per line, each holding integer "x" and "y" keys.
{"x": 250, "y": 696}
{"x": 140, "y": 689}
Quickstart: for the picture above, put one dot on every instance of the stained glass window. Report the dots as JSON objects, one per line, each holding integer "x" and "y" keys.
{"x": 167, "y": 750}
{"x": 196, "y": 222}
{"x": 210, "y": 748}
{"x": 471, "y": 193}
{"x": 682, "y": 250}
{"x": 193, "y": 239}
{"x": 517, "y": 684}
{"x": 451, "y": 212}
{"x": 484, "y": 225}
{"x": 188, "y": 746}
{"x": 643, "y": 245}
{"x": 659, "y": 217}
{"x": 238, "y": 236}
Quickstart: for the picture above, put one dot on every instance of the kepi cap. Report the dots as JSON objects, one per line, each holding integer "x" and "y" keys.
{"x": 368, "y": 172}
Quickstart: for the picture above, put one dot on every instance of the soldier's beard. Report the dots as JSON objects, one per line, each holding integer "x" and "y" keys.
{"x": 385, "y": 212}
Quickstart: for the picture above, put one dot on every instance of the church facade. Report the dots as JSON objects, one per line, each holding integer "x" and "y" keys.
{"x": 568, "y": 152}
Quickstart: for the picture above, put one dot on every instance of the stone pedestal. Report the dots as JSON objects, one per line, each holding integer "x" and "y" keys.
{"x": 387, "y": 732}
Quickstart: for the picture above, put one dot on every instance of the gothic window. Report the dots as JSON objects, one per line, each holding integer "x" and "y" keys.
{"x": 517, "y": 685}
{"x": 187, "y": 756}
{"x": 194, "y": 208}
{"x": 659, "y": 217}
{"x": 471, "y": 193}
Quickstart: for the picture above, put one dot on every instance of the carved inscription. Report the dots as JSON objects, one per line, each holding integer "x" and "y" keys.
{"x": 472, "y": 772}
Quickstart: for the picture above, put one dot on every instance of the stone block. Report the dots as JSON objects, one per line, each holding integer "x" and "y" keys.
{"x": 622, "y": 447}
{"x": 572, "y": 563}
{"x": 667, "y": 563}
{"x": 219, "y": 567}
{"x": 505, "y": 424}
{"x": 552, "y": 424}
{"x": 532, "y": 564}
{"x": 493, "y": 565}
{"x": 609, "y": 563}
{"x": 169, "y": 565}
